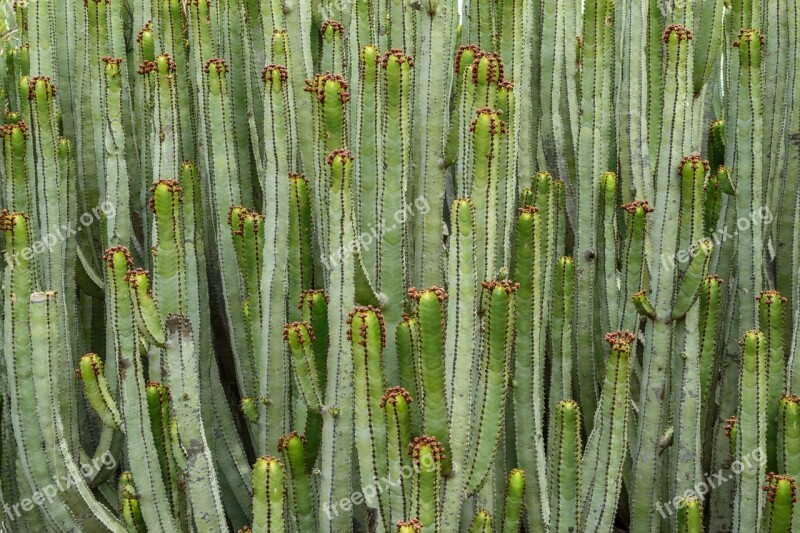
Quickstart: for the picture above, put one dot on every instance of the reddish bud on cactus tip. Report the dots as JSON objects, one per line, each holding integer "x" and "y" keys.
{"x": 148, "y": 28}
{"x": 466, "y": 52}
{"x": 694, "y": 161}
{"x": 528, "y": 210}
{"x": 729, "y": 425}
{"x": 109, "y": 254}
{"x": 219, "y": 65}
{"x": 108, "y": 60}
{"x": 342, "y": 153}
{"x": 47, "y": 84}
{"x": 769, "y": 297}
{"x": 268, "y": 74}
{"x": 415, "y": 447}
{"x": 507, "y": 285}
{"x": 296, "y": 327}
{"x": 634, "y": 206}
{"x": 334, "y": 25}
{"x": 398, "y": 56}
{"x": 414, "y": 524}
{"x": 773, "y": 483}
{"x": 14, "y": 125}
{"x": 495, "y": 68}
{"x": 747, "y": 35}
{"x": 416, "y": 294}
{"x": 133, "y": 276}
{"x": 283, "y": 442}
{"x": 393, "y": 393}
{"x": 682, "y": 33}
{"x": 620, "y": 340}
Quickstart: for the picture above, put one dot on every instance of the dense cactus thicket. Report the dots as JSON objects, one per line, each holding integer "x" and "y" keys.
{"x": 400, "y": 266}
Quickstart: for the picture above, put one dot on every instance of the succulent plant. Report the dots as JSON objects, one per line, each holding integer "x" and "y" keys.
{"x": 414, "y": 266}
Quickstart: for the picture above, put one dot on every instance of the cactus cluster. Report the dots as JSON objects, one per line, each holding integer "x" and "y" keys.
{"x": 400, "y": 266}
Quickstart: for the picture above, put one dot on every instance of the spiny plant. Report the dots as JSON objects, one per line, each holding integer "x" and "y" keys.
{"x": 413, "y": 266}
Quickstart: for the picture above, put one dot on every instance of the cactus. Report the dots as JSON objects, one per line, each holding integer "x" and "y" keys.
{"x": 322, "y": 266}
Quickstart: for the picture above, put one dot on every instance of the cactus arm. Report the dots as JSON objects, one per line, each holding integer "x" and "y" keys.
{"x": 781, "y": 498}
{"x": 608, "y": 245}
{"x": 224, "y": 190}
{"x": 268, "y": 496}
{"x": 751, "y": 433}
{"x": 690, "y": 285}
{"x": 690, "y": 516}
{"x": 608, "y": 441}
{"x": 460, "y": 349}
{"x": 396, "y": 403}
{"x": 407, "y": 343}
{"x": 368, "y": 179}
{"x": 688, "y": 428}
{"x": 299, "y": 338}
{"x": 512, "y": 509}
{"x": 747, "y": 169}
{"x": 300, "y": 491}
{"x": 633, "y": 261}
{"x": 565, "y": 468}
{"x": 301, "y": 265}
{"x": 337, "y": 437}
{"x": 788, "y": 449}
{"x": 203, "y": 491}
{"x": 367, "y": 335}
{"x": 396, "y": 75}
{"x": 770, "y": 321}
{"x": 493, "y": 379}
{"x": 481, "y": 522}
{"x": 710, "y": 295}
{"x": 97, "y": 392}
{"x": 435, "y": 29}
{"x": 148, "y": 317}
{"x": 561, "y": 337}
{"x": 528, "y": 365}
{"x": 430, "y": 310}
{"x": 427, "y": 455}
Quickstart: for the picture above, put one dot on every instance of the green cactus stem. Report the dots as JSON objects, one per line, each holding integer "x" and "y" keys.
{"x": 751, "y": 430}
{"x": 300, "y": 487}
{"x": 268, "y": 495}
{"x": 781, "y": 492}
{"x": 427, "y": 456}
{"x": 565, "y": 467}
{"x": 98, "y": 394}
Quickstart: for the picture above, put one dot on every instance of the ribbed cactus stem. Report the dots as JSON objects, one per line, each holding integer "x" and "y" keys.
{"x": 97, "y": 392}
{"x": 788, "y": 449}
{"x": 396, "y": 403}
{"x": 493, "y": 378}
{"x": 561, "y": 335}
{"x": 367, "y": 334}
{"x": 690, "y": 515}
{"x": 460, "y": 342}
{"x": 781, "y": 493}
{"x": 427, "y": 455}
{"x": 770, "y": 321}
{"x": 513, "y": 506}
{"x": 300, "y": 488}
{"x": 481, "y": 522}
{"x": 751, "y": 431}
{"x": 430, "y": 310}
{"x": 748, "y": 175}
{"x": 300, "y": 338}
{"x": 142, "y": 450}
{"x": 606, "y": 445}
{"x": 268, "y": 495}
{"x": 565, "y": 467}
{"x": 392, "y": 276}
{"x": 488, "y": 132}
{"x": 529, "y": 362}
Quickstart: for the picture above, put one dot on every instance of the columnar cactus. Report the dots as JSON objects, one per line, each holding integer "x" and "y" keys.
{"x": 321, "y": 266}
